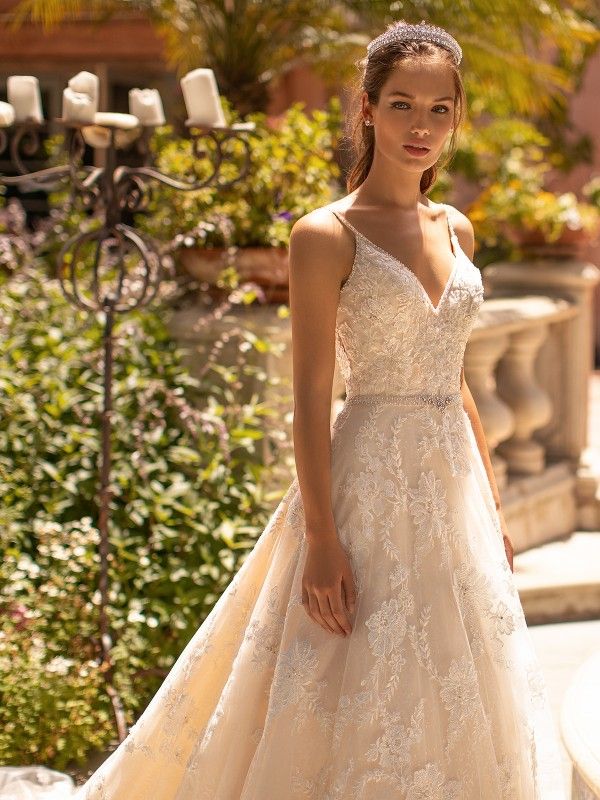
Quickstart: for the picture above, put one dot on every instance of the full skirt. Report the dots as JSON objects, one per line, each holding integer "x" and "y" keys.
{"x": 436, "y": 694}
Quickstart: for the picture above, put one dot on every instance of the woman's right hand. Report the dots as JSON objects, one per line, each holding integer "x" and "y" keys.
{"x": 328, "y": 591}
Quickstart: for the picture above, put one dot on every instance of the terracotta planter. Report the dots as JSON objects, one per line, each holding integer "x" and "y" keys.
{"x": 570, "y": 244}
{"x": 266, "y": 266}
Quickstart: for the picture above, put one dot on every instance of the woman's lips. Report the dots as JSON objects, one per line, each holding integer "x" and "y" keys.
{"x": 415, "y": 151}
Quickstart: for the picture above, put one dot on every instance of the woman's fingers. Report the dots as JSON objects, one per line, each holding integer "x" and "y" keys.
{"x": 315, "y": 612}
{"x": 336, "y": 604}
{"x": 327, "y": 616}
{"x": 320, "y": 610}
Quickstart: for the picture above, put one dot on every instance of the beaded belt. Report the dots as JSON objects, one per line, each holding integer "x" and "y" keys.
{"x": 440, "y": 401}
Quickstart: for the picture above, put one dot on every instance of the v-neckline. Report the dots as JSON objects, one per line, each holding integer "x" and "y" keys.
{"x": 453, "y": 244}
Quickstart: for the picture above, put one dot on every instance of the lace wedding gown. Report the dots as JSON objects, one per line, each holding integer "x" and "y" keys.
{"x": 436, "y": 694}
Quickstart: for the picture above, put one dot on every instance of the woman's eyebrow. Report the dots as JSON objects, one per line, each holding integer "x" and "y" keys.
{"x": 412, "y": 97}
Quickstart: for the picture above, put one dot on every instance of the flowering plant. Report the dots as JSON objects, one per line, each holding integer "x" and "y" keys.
{"x": 517, "y": 205}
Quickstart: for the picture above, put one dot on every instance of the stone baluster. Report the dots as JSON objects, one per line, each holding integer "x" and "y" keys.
{"x": 531, "y": 406}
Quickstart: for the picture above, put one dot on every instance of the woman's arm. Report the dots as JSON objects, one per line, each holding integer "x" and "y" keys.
{"x": 471, "y": 409}
{"x": 318, "y": 253}
{"x": 473, "y": 414}
{"x": 466, "y": 235}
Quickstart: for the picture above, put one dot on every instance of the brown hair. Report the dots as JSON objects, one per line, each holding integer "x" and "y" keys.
{"x": 375, "y": 72}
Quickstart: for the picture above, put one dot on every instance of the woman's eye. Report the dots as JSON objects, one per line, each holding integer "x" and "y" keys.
{"x": 403, "y": 103}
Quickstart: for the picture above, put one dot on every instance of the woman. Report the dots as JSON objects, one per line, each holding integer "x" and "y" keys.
{"x": 373, "y": 645}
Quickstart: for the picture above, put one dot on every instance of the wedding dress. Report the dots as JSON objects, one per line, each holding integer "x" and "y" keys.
{"x": 437, "y": 693}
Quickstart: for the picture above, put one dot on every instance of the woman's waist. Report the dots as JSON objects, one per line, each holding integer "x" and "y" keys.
{"x": 437, "y": 399}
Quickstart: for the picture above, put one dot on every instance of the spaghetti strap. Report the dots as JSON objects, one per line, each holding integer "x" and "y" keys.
{"x": 450, "y": 226}
{"x": 345, "y": 222}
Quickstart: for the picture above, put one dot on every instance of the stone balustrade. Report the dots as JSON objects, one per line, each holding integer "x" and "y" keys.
{"x": 543, "y": 377}
{"x": 515, "y": 404}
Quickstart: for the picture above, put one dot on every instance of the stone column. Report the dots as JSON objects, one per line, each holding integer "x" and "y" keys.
{"x": 530, "y": 404}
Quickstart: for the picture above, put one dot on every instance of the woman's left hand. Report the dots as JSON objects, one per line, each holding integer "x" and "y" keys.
{"x": 508, "y": 545}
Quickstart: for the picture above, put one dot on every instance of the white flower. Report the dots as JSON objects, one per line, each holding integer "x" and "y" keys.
{"x": 60, "y": 665}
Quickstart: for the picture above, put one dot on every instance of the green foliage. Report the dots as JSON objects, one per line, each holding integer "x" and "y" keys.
{"x": 54, "y": 708}
{"x": 189, "y": 500}
{"x": 293, "y": 171}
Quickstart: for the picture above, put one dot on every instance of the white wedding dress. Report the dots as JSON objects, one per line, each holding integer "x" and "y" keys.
{"x": 437, "y": 693}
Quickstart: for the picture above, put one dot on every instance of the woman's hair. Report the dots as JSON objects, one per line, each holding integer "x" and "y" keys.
{"x": 375, "y": 72}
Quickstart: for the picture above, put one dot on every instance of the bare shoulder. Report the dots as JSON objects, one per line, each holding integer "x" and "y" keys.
{"x": 318, "y": 227}
{"x": 463, "y": 228}
{"x": 319, "y": 243}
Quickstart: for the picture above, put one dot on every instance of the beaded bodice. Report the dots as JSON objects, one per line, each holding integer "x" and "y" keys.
{"x": 390, "y": 338}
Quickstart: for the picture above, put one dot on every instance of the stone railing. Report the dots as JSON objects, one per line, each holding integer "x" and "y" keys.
{"x": 527, "y": 364}
{"x": 530, "y": 384}
{"x": 516, "y": 405}
{"x": 580, "y": 713}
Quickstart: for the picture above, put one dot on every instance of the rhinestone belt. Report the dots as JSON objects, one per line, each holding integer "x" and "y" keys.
{"x": 440, "y": 401}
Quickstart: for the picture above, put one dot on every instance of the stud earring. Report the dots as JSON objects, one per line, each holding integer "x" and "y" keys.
{"x": 368, "y": 122}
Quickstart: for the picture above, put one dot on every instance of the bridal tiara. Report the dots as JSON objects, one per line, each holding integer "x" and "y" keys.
{"x": 423, "y": 32}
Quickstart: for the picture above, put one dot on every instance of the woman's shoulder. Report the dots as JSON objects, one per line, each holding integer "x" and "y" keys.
{"x": 320, "y": 228}
{"x": 320, "y": 220}
{"x": 319, "y": 238}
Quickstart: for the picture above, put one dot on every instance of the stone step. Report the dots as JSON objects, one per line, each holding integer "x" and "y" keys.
{"x": 562, "y": 648}
{"x": 560, "y": 581}
{"x": 580, "y": 732}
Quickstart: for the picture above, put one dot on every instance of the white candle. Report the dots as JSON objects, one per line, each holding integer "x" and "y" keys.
{"x": 7, "y": 114}
{"x": 202, "y": 100}
{"x": 24, "y": 96}
{"x": 146, "y": 105}
{"x": 77, "y": 106}
{"x": 86, "y": 83}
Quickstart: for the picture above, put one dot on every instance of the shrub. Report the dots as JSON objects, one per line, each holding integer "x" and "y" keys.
{"x": 188, "y": 502}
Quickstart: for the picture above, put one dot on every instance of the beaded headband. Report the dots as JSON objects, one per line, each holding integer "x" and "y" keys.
{"x": 423, "y": 32}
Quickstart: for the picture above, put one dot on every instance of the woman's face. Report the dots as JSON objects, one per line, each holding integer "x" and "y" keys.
{"x": 416, "y": 106}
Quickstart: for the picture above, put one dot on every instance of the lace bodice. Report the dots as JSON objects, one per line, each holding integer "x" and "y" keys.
{"x": 390, "y": 338}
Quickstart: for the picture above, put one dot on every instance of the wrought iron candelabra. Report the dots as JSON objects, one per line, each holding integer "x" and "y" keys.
{"x": 113, "y": 190}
